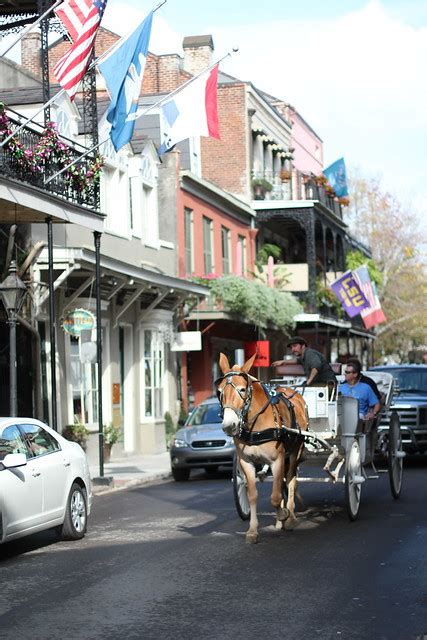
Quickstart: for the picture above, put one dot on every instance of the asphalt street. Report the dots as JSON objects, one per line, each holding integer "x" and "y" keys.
{"x": 170, "y": 561}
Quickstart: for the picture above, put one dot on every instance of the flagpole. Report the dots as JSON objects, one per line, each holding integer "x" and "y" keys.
{"x": 138, "y": 114}
{"x": 143, "y": 113}
{"x": 60, "y": 93}
{"x": 30, "y": 27}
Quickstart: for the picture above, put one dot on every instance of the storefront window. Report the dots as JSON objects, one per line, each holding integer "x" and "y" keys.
{"x": 153, "y": 373}
{"x": 84, "y": 380}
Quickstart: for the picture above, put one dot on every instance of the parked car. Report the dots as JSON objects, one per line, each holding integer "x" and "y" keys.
{"x": 201, "y": 442}
{"x": 410, "y": 402}
{"x": 44, "y": 481}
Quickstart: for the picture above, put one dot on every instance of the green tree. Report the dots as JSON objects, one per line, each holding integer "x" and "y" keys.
{"x": 398, "y": 266}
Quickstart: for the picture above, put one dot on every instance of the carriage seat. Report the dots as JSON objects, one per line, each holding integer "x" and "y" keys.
{"x": 290, "y": 369}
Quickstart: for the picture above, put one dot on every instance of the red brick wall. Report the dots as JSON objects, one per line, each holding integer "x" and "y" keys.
{"x": 224, "y": 161}
{"x": 219, "y": 218}
{"x": 30, "y": 53}
{"x": 162, "y": 74}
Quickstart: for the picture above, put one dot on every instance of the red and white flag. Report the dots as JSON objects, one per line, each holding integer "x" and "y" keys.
{"x": 192, "y": 111}
{"x": 373, "y": 315}
{"x": 81, "y": 18}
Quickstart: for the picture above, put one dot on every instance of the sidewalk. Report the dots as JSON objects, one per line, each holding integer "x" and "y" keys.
{"x": 129, "y": 471}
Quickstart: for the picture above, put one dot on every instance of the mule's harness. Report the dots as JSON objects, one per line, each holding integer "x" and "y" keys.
{"x": 246, "y": 434}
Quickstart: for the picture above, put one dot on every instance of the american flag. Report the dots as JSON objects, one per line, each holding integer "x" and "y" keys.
{"x": 81, "y": 18}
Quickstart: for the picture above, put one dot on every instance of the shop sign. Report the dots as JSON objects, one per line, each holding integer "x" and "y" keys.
{"x": 77, "y": 321}
{"x": 262, "y": 350}
{"x": 187, "y": 341}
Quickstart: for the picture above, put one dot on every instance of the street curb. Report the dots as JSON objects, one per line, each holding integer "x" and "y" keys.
{"x": 121, "y": 485}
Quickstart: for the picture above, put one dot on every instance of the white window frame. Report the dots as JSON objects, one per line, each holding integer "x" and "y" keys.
{"x": 115, "y": 192}
{"x": 156, "y": 358}
{"x": 211, "y": 242}
{"x": 242, "y": 241}
{"x": 189, "y": 251}
{"x": 228, "y": 246}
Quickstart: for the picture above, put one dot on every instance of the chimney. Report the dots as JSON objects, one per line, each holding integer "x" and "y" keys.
{"x": 198, "y": 52}
{"x": 31, "y": 52}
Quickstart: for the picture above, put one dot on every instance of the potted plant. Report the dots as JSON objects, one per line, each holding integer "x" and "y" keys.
{"x": 261, "y": 186}
{"x": 76, "y": 432}
{"x": 285, "y": 175}
{"x": 321, "y": 180}
{"x": 111, "y": 436}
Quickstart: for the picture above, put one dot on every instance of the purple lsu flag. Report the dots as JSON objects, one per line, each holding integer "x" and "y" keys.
{"x": 349, "y": 294}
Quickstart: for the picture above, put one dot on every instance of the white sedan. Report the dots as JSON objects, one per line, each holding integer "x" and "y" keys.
{"x": 44, "y": 481}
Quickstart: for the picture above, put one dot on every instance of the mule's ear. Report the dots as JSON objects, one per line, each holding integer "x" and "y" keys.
{"x": 248, "y": 364}
{"x": 224, "y": 365}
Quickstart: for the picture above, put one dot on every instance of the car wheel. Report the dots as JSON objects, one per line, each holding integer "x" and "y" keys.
{"x": 180, "y": 475}
{"x": 75, "y": 521}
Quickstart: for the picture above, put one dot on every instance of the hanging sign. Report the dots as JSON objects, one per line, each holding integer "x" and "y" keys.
{"x": 77, "y": 321}
{"x": 187, "y": 341}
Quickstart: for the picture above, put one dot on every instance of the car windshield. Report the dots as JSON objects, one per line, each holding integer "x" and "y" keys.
{"x": 410, "y": 380}
{"x": 205, "y": 414}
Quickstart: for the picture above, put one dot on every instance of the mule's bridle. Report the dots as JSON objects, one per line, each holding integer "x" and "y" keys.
{"x": 247, "y": 397}
{"x": 281, "y": 433}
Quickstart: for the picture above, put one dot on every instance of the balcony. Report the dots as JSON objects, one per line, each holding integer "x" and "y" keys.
{"x": 32, "y": 155}
{"x": 270, "y": 185}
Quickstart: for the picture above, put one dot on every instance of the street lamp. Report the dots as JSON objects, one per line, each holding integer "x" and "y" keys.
{"x": 12, "y": 291}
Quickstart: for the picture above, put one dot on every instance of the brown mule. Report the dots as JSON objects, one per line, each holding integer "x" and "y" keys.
{"x": 252, "y": 417}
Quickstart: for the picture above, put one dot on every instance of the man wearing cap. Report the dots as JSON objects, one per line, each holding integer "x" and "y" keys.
{"x": 317, "y": 369}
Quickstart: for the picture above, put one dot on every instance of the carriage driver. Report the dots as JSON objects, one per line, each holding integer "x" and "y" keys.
{"x": 316, "y": 368}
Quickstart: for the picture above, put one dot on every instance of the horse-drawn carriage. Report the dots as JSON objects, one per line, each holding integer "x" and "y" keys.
{"x": 278, "y": 425}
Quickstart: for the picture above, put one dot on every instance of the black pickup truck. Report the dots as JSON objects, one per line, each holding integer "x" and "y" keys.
{"x": 410, "y": 402}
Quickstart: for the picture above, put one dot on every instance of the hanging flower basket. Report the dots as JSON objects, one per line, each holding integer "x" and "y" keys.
{"x": 50, "y": 152}
{"x": 321, "y": 180}
{"x": 285, "y": 175}
{"x": 344, "y": 202}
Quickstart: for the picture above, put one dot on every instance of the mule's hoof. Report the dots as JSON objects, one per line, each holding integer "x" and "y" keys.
{"x": 290, "y": 523}
{"x": 282, "y": 513}
{"x": 252, "y": 538}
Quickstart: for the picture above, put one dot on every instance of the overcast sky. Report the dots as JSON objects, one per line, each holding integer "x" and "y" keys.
{"x": 354, "y": 69}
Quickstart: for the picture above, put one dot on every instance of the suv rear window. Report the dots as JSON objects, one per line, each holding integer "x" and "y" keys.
{"x": 205, "y": 414}
{"x": 410, "y": 380}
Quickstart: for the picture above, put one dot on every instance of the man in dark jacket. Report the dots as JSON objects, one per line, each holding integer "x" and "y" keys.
{"x": 316, "y": 368}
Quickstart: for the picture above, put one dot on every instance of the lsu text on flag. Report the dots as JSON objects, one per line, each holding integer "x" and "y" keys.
{"x": 192, "y": 111}
{"x": 349, "y": 293}
{"x": 337, "y": 177}
{"x": 73, "y": 65}
{"x": 373, "y": 314}
{"x": 123, "y": 70}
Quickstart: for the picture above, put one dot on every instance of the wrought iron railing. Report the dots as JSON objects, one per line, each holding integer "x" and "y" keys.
{"x": 76, "y": 185}
{"x": 295, "y": 187}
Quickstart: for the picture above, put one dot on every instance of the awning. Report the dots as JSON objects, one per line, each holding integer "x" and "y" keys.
{"x": 121, "y": 281}
{"x": 25, "y": 204}
{"x": 317, "y": 318}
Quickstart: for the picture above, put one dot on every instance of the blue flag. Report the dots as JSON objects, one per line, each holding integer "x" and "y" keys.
{"x": 337, "y": 177}
{"x": 123, "y": 70}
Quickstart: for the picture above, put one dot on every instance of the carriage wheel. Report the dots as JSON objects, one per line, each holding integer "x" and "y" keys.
{"x": 353, "y": 481}
{"x": 395, "y": 455}
{"x": 240, "y": 491}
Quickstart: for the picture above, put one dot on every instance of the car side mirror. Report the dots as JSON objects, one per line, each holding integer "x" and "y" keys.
{"x": 181, "y": 422}
{"x": 12, "y": 460}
